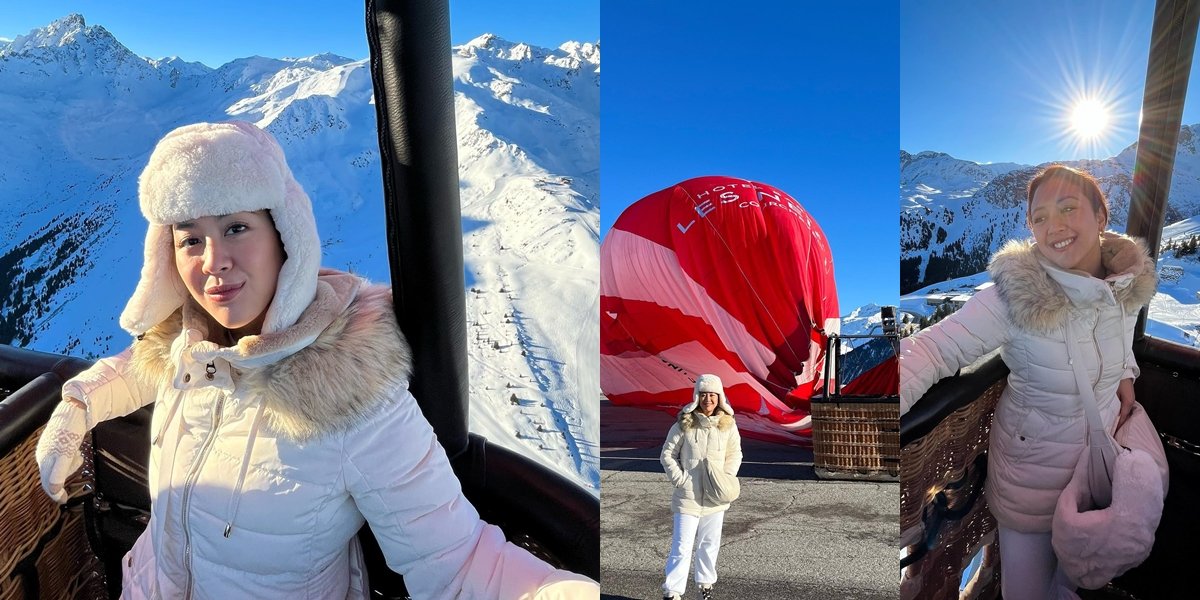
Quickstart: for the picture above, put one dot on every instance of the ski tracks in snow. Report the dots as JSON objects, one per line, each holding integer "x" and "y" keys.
{"x": 515, "y": 361}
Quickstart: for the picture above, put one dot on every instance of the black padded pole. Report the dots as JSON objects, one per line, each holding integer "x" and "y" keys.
{"x": 414, "y": 105}
{"x": 1171, "y": 46}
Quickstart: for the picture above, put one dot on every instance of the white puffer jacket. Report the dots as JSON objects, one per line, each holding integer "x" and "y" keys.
{"x": 693, "y": 438}
{"x": 1039, "y": 428}
{"x": 261, "y": 475}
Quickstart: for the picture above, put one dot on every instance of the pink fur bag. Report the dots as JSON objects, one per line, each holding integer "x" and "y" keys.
{"x": 1094, "y": 545}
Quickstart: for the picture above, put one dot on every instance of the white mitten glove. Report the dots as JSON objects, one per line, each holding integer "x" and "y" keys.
{"x": 58, "y": 453}
{"x": 564, "y": 585}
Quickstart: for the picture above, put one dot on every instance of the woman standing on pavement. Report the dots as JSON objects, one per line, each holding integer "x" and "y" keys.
{"x": 704, "y": 432}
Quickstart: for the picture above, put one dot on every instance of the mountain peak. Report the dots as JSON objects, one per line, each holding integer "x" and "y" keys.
{"x": 323, "y": 61}
{"x": 490, "y": 44}
{"x": 483, "y": 41}
{"x": 870, "y": 310}
{"x": 181, "y": 67}
{"x": 71, "y": 20}
{"x": 930, "y": 154}
{"x": 77, "y": 50}
{"x": 61, "y": 32}
{"x": 585, "y": 52}
{"x": 521, "y": 51}
{"x": 72, "y": 34}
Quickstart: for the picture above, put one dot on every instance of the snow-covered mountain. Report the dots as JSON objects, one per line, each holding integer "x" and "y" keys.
{"x": 864, "y": 320}
{"x": 82, "y": 112}
{"x": 954, "y": 214}
{"x": 860, "y": 355}
{"x": 529, "y": 155}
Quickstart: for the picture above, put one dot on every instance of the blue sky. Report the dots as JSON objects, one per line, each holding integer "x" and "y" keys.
{"x": 797, "y": 95}
{"x": 994, "y": 81}
{"x": 215, "y": 32}
{"x": 800, "y": 98}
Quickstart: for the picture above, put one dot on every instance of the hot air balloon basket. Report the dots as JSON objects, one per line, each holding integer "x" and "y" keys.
{"x": 45, "y": 552}
{"x": 856, "y": 438}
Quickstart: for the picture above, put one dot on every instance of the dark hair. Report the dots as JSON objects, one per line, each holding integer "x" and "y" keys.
{"x": 278, "y": 236}
{"x": 1081, "y": 179}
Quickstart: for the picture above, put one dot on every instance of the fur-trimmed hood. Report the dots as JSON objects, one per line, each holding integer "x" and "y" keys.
{"x": 691, "y": 420}
{"x": 1039, "y": 294}
{"x": 332, "y": 369}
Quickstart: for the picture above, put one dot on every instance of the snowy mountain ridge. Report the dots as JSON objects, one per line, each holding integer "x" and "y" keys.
{"x": 954, "y": 214}
{"x": 82, "y": 114}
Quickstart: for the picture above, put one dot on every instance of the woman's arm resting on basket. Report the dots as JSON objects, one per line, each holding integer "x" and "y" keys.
{"x": 939, "y": 351}
{"x": 108, "y": 390}
{"x": 429, "y": 532}
{"x": 103, "y": 391}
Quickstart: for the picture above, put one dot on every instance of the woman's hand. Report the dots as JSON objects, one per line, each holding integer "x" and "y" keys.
{"x": 1125, "y": 395}
{"x": 57, "y": 451}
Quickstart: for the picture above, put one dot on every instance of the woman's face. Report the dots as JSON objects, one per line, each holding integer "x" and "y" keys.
{"x": 1066, "y": 226}
{"x": 230, "y": 265}
{"x": 708, "y": 403}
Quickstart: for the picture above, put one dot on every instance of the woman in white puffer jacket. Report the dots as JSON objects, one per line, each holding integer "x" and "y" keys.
{"x": 282, "y": 416}
{"x": 705, "y": 429}
{"x": 1074, "y": 283}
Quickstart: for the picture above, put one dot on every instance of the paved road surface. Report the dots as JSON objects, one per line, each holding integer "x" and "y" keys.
{"x": 790, "y": 535}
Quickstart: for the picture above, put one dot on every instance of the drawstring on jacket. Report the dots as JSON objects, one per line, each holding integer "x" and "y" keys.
{"x": 198, "y": 367}
{"x": 170, "y": 415}
{"x": 1127, "y": 362}
{"x": 236, "y": 498}
{"x": 1126, "y": 342}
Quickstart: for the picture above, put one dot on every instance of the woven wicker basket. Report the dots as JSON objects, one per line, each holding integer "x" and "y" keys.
{"x": 66, "y": 567}
{"x": 856, "y": 438}
{"x": 930, "y": 463}
{"x": 26, "y": 513}
{"x": 38, "y": 539}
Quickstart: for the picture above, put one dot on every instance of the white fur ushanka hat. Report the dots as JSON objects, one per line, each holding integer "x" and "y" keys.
{"x": 213, "y": 169}
{"x": 709, "y": 383}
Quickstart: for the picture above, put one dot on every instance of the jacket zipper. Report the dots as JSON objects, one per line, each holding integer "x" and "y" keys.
{"x": 190, "y": 483}
{"x": 1099, "y": 357}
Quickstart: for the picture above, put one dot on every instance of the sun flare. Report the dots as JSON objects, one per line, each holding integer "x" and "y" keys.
{"x": 1089, "y": 119}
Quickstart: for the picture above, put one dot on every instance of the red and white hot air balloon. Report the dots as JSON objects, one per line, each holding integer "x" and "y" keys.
{"x": 717, "y": 275}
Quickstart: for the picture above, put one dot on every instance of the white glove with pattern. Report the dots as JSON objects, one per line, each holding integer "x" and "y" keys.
{"x": 58, "y": 454}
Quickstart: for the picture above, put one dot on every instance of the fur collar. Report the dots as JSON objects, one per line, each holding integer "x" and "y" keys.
{"x": 689, "y": 421}
{"x": 355, "y": 360}
{"x": 1039, "y": 295}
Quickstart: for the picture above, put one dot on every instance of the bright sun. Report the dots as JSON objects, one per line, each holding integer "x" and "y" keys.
{"x": 1089, "y": 119}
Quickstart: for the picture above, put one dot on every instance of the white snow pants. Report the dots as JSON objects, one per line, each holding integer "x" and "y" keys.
{"x": 706, "y": 533}
{"x": 1029, "y": 569}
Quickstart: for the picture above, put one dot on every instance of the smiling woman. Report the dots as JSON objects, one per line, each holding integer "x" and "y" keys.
{"x": 1062, "y": 310}
{"x": 1100, "y": 90}
{"x": 1067, "y": 213}
{"x": 230, "y": 265}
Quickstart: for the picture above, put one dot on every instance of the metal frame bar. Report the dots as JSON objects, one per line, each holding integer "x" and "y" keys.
{"x": 1172, "y": 45}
